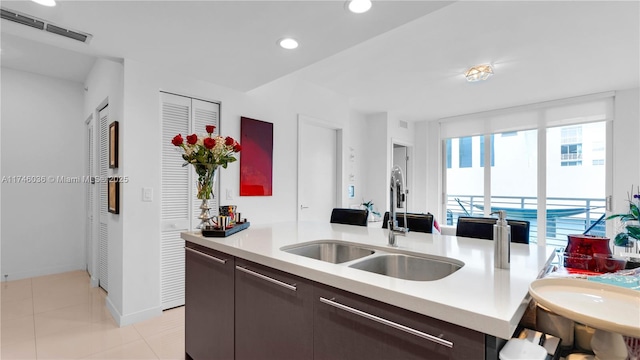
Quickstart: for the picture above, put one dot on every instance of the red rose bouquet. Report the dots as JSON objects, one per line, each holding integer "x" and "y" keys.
{"x": 206, "y": 153}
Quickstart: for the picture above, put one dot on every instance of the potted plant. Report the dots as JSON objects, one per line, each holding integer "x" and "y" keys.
{"x": 372, "y": 213}
{"x": 630, "y": 235}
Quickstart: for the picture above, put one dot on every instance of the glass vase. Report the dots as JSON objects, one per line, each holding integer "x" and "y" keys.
{"x": 205, "y": 187}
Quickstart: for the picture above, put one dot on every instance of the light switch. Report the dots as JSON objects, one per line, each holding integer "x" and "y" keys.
{"x": 147, "y": 194}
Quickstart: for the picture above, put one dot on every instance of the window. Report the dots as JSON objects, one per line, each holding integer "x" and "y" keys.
{"x": 571, "y": 146}
{"x": 573, "y": 133}
{"x": 448, "y": 142}
{"x": 466, "y": 154}
{"x": 575, "y": 189}
{"x": 464, "y": 183}
{"x": 482, "y": 151}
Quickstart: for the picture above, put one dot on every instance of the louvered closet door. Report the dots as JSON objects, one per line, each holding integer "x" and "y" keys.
{"x": 180, "y": 207}
{"x": 176, "y": 201}
{"x": 204, "y": 113}
{"x": 89, "y": 201}
{"x": 103, "y": 230}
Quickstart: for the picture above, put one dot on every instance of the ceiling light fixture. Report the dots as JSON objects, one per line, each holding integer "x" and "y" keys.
{"x": 288, "y": 43}
{"x": 45, "y": 2}
{"x": 479, "y": 73}
{"x": 359, "y": 6}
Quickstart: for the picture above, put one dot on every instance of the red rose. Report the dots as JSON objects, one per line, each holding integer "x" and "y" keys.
{"x": 192, "y": 139}
{"x": 209, "y": 143}
{"x": 229, "y": 141}
{"x": 237, "y": 147}
{"x": 177, "y": 140}
{"x": 210, "y": 129}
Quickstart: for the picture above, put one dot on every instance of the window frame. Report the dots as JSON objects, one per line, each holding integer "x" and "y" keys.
{"x": 540, "y": 116}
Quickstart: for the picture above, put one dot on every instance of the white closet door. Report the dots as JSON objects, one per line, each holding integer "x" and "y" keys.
{"x": 176, "y": 217}
{"x": 103, "y": 232}
{"x": 180, "y": 206}
{"x": 89, "y": 200}
{"x": 204, "y": 113}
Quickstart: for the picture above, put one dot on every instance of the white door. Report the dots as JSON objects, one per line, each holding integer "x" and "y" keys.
{"x": 89, "y": 199}
{"x": 179, "y": 204}
{"x": 103, "y": 231}
{"x": 317, "y": 170}
{"x": 401, "y": 157}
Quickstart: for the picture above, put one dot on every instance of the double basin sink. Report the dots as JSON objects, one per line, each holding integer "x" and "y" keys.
{"x": 384, "y": 262}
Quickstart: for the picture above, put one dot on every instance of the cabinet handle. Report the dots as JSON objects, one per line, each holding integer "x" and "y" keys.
{"x": 205, "y": 255}
{"x": 258, "y": 275}
{"x": 380, "y": 320}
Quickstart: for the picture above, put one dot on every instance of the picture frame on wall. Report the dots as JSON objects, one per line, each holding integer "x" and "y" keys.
{"x": 256, "y": 159}
{"x": 113, "y": 145}
{"x": 113, "y": 195}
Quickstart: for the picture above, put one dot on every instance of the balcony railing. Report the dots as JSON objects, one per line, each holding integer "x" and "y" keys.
{"x": 571, "y": 156}
{"x": 565, "y": 216}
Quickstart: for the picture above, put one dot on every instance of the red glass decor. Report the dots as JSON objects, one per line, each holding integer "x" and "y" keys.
{"x": 587, "y": 245}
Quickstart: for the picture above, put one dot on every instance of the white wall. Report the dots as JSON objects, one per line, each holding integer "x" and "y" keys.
{"x": 280, "y": 102}
{"x": 136, "y": 279}
{"x": 359, "y": 146}
{"x": 43, "y": 134}
{"x": 626, "y": 147}
{"x": 378, "y": 160}
{"x": 104, "y": 85}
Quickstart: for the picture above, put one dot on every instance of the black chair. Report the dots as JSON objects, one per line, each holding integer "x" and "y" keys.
{"x": 349, "y": 216}
{"x": 416, "y": 222}
{"x": 482, "y": 228}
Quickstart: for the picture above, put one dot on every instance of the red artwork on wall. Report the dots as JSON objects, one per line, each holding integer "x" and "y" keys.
{"x": 256, "y": 161}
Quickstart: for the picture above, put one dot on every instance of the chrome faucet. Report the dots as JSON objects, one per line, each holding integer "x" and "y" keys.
{"x": 397, "y": 195}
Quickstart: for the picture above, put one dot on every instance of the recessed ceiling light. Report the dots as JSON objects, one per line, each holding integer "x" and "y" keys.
{"x": 479, "y": 73}
{"x": 359, "y": 6}
{"x": 288, "y": 43}
{"x": 45, "y": 2}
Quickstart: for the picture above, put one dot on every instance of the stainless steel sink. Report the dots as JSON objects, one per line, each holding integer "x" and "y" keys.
{"x": 331, "y": 251}
{"x": 409, "y": 267}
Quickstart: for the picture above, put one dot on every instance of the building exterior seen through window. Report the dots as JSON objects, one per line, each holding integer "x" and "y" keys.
{"x": 573, "y": 152}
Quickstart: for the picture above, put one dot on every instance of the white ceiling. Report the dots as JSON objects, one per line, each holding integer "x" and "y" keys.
{"x": 404, "y": 57}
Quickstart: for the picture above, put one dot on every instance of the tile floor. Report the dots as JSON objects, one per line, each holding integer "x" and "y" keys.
{"x": 61, "y": 317}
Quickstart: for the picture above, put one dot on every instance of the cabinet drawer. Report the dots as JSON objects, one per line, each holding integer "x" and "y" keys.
{"x": 274, "y": 314}
{"x": 209, "y": 303}
{"x": 349, "y": 326}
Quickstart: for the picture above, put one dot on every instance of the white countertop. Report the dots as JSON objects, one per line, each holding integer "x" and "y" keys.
{"x": 477, "y": 296}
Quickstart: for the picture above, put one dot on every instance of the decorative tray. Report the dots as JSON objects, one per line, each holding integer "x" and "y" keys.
{"x": 223, "y": 233}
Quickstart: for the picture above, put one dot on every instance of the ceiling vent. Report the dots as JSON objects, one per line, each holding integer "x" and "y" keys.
{"x": 44, "y": 25}
{"x": 403, "y": 124}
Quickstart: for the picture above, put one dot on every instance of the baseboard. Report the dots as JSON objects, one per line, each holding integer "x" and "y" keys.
{"x": 125, "y": 320}
{"x": 94, "y": 282}
{"x": 42, "y": 272}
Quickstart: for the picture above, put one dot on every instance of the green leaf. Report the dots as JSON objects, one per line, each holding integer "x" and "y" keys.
{"x": 621, "y": 239}
{"x": 633, "y": 231}
{"x": 633, "y": 210}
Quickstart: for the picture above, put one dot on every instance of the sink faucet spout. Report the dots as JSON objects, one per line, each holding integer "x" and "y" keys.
{"x": 397, "y": 200}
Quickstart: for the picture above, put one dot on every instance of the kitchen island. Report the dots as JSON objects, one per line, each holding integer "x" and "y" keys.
{"x": 476, "y": 297}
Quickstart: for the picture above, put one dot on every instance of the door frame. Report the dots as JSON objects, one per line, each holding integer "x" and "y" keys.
{"x": 340, "y": 191}
{"x": 91, "y": 254}
{"x": 409, "y": 176}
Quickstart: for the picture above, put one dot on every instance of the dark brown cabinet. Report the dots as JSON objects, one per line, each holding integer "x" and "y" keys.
{"x": 349, "y": 326}
{"x": 209, "y": 303}
{"x": 274, "y": 314}
{"x": 237, "y": 309}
